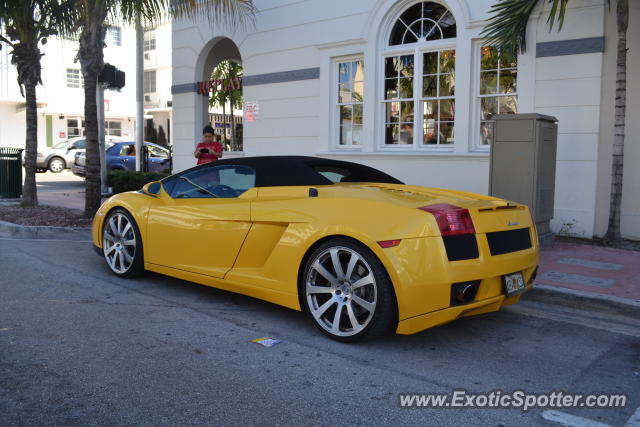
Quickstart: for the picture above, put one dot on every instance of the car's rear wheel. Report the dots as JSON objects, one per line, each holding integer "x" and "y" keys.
{"x": 56, "y": 165}
{"x": 122, "y": 244}
{"x": 347, "y": 291}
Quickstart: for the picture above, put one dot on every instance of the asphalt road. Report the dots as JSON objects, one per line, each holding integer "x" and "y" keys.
{"x": 79, "y": 346}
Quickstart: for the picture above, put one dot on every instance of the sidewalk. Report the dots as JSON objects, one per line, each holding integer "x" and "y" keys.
{"x": 590, "y": 269}
{"x": 62, "y": 189}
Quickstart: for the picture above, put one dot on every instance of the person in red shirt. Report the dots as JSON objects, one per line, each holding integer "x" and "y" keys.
{"x": 208, "y": 150}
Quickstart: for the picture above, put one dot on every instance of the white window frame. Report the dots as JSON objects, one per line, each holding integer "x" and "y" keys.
{"x": 417, "y": 50}
{"x": 109, "y": 130}
{"x": 71, "y": 78}
{"x": 145, "y": 84}
{"x": 114, "y": 36}
{"x": 477, "y": 97}
{"x": 80, "y": 127}
{"x": 335, "y": 104}
{"x": 149, "y": 40}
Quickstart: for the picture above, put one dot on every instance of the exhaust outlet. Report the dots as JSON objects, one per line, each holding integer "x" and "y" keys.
{"x": 467, "y": 293}
{"x": 462, "y": 293}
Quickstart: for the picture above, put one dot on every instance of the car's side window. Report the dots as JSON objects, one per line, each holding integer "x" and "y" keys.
{"x": 127, "y": 150}
{"x": 157, "y": 152}
{"x": 225, "y": 181}
{"x": 80, "y": 144}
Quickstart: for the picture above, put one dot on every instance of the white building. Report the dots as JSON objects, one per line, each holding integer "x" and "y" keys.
{"x": 157, "y": 77}
{"x": 406, "y": 86}
{"x": 61, "y": 96}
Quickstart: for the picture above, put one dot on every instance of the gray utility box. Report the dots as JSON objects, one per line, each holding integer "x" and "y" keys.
{"x": 523, "y": 163}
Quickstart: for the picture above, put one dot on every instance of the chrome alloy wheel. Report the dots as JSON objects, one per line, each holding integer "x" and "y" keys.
{"x": 341, "y": 291}
{"x": 119, "y": 243}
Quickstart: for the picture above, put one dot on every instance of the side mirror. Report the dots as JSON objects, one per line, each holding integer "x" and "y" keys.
{"x": 152, "y": 188}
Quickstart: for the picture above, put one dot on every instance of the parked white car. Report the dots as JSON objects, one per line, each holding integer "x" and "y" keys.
{"x": 61, "y": 155}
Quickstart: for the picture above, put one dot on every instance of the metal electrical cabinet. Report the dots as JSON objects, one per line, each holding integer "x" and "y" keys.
{"x": 523, "y": 163}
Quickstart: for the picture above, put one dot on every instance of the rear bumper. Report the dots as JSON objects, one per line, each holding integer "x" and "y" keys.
{"x": 440, "y": 317}
{"x": 423, "y": 276}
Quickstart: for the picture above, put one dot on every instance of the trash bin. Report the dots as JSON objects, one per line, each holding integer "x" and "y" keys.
{"x": 10, "y": 172}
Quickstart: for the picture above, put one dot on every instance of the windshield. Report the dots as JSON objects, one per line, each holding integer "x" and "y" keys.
{"x": 63, "y": 144}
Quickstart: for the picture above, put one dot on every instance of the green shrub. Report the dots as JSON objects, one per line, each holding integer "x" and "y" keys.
{"x": 121, "y": 180}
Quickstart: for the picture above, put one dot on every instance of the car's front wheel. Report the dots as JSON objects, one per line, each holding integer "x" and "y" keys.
{"x": 56, "y": 165}
{"x": 347, "y": 291}
{"x": 122, "y": 244}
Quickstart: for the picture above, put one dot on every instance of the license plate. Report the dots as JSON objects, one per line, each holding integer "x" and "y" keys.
{"x": 514, "y": 284}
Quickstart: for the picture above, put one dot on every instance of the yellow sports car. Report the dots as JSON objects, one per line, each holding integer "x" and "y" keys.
{"x": 359, "y": 251}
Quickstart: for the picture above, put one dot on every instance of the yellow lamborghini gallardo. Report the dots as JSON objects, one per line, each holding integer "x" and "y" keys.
{"x": 359, "y": 251}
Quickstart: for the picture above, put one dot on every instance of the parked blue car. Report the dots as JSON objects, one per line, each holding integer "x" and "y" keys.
{"x": 121, "y": 155}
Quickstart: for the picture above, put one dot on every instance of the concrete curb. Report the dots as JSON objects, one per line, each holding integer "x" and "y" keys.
{"x": 8, "y": 229}
{"x": 582, "y": 299}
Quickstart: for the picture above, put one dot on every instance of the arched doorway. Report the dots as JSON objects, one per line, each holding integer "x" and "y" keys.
{"x": 222, "y": 118}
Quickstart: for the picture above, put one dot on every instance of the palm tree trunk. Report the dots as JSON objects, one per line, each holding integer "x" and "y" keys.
{"x": 233, "y": 131}
{"x": 92, "y": 61}
{"x": 224, "y": 122}
{"x": 92, "y": 182}
{"x": 29, "y": 192}
{"x": 613, "y": 229}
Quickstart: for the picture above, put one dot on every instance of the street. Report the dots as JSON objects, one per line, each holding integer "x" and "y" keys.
{"x": 81, "y": 346}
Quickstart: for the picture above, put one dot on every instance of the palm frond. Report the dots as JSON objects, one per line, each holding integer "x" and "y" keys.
{"x": 229, "y": 12}
{"x": 558, "y": 8}
{"x": 507, "y": 26}
{"x": 148, "y": 12}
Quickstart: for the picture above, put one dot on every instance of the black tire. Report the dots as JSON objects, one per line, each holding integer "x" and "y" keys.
{"x": 122, "y": 244}
{"x": 358, "y": 287}
{"x": 56, "y": 164}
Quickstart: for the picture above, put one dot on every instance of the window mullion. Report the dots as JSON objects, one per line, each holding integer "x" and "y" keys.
{"x": 417, "y": 99}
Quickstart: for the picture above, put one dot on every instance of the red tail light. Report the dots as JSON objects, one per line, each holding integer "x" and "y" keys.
{"x": 452, "y": 220}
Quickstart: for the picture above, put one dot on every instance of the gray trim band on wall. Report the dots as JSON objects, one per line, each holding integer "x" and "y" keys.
{"x": 282, "y": 77}
{"x": 261, "y": 79}
{"x": 570, "y": 47}
{"x": 183, "y": 88}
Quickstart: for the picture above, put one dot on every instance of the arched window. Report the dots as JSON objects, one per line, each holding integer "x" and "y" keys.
{"x": 418, "y": 99}
{"x": 423, "y": 21}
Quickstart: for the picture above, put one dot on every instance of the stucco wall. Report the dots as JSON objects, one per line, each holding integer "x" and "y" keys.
{"x": 568, "y": 88}
{"x": 630, "y": 217}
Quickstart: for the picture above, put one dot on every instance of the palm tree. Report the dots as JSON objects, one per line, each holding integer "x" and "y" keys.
{"x": 227, "y": 71}
{"x": 507, "y": 28}
{"x": 93, "y": 17}
{"x": 25, "y": 25}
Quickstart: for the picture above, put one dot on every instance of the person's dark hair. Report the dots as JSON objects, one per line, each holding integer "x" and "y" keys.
{"x": 207, "y": 129}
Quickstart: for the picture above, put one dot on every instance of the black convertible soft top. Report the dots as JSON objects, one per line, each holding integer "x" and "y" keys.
{"x": 274, "y": 171}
